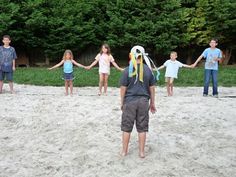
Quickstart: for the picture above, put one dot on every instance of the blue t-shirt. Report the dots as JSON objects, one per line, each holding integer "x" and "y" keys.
{"x": 138, "y": 89}
{"x": 7, "y": 55}
{"x": 210, "y": 55}
{"x": 68, "y": 66}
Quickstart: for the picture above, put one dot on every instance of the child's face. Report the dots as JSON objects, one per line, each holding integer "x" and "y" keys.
{"x": 6, "y": 41}
{"x": 68, "y": 56}
{"x": 213, "y": 44}
{"x": 173, "y": 56}
{"x": 104, "y": 49}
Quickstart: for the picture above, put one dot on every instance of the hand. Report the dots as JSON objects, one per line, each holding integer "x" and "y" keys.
{"x": 87, "y": 67}
{"x": 122, "y": 69}
{"x": 153, "y": 108}
{"x": 49, "y": 68}
{"x": 13, "y": 68}
{"x": 215, "y": 59}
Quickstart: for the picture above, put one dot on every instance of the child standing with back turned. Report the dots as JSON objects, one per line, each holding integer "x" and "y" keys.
{"x": 67, "y": 62}
{"x": 172, "y": 67}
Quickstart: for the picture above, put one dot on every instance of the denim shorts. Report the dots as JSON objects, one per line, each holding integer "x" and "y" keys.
{"x": 7, "y": 75}
{"x": 136, "y": 111}
{"x": 68, "y": 76}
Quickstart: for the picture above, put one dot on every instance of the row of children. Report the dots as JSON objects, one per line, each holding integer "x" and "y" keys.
{"x": 137, "y": 82}
{"x": 104, "y": 58}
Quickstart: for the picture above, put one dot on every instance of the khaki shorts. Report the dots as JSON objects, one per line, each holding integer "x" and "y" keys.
{"x": 169, "y": 80}
{"x": 135, "y": 111}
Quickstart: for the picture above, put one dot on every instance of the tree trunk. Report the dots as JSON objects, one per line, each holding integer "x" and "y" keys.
{"x": 226, "y": 55}
{"x": 190, "y": 55}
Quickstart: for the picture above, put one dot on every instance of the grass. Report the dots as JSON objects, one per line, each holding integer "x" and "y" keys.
{"x": 186, "y": 77}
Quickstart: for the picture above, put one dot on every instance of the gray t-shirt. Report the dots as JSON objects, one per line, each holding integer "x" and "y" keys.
{"x": 138, "y": 89}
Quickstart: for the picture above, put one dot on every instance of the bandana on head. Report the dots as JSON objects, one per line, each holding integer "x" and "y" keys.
{"x": 138, "y": 51}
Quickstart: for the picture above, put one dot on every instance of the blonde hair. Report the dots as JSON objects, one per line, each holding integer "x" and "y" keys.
{"x": 71, "y": 54}
{"x": 107, "y": 47}
{"x": 173, "y": 52}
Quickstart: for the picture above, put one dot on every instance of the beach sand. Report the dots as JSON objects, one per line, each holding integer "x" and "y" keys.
{"x": 46, "y": 134}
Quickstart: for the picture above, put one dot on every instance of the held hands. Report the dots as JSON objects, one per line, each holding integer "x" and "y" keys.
{"x": 121, "y": 69}
{"x": 87, "y": 67}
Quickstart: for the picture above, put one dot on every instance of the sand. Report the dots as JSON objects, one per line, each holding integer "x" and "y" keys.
{"x": 46, "y": 134}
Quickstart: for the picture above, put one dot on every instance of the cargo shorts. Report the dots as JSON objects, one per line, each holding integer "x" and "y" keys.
{"x": 137, "y": 112}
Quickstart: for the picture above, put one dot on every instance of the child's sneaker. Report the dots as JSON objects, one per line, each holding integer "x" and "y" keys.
{"x": 205, "y": 95}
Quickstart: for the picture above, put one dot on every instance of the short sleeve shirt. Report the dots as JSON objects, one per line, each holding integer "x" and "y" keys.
{"x": 7, "y": 55}
{"x": 172, "y": 68}
{"x": 137, "y": 89}
{"x": 104, "y": 62}
{"x": 210, "y": 55}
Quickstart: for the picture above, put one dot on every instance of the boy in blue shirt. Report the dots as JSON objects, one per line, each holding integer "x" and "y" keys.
{"x": 212, "y": 55}
{"x": 7, "y": 62}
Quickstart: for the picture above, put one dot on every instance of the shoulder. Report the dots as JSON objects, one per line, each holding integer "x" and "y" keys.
{"x": 179, "y": 62}
{"x": 147, "y": 69}
{"x": 98, "y": 56}
{"x": 207, "y": 49}
{"x": 166, "y": 62}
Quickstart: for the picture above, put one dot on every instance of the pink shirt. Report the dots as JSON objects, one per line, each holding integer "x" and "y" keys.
{"x": 104, "y": 62}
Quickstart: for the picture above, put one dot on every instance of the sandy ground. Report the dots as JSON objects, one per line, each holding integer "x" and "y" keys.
{"x": 44, "y": 133}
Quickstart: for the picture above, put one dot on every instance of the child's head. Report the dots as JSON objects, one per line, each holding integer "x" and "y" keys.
{"x": 6, "y": 39}
{"x": 213, "y": 43}
{"x": 105, "y": 49}
{"x": 68, "y": 55}
{"x": 173, "y": 55}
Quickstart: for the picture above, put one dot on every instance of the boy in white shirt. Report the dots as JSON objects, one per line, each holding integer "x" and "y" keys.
{"x": 172, "y": 67}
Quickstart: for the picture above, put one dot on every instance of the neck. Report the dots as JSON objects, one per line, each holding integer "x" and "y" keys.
{"x": 6, "y": 45}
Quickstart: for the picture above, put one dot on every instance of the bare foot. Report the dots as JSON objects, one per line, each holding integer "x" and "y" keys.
{"x": 66, "y": 94}
{"x": 13, "y": 92}
{"x": 99, "y": 93}
{"x": 142, "y": 155}
{"x": 123, "y": 154}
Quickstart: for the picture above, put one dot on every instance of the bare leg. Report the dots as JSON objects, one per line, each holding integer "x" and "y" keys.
{"x": 142, "y": 140}
{"x": 100, "y": 84}
{"x": 1, "y": 85}
{"x": 168, "y": 88}
{"x": 11, "y": 87}
{"x": 171, "y": 89}
{"x": 71, "y": 87}
{"x": 105, "y": 83}
{"x": 125, "y": 143}
{"x": 66, "y": 87}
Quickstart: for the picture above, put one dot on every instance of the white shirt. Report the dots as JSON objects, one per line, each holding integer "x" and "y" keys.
{"x": 172, "y": 68}
{"x": 104, "y": 62}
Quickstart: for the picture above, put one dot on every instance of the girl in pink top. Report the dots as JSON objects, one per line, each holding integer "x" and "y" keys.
{"x": 104, "y": 58}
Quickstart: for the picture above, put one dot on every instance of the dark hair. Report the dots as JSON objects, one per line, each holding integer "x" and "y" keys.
{"x": 214, "y": 39}
{"x": 6, "y": 36}
{"x": 107, "y": 47}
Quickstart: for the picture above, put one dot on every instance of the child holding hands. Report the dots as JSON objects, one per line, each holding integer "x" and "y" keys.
{"x": 67, "y": 62}
{"x": 172, "y": 67}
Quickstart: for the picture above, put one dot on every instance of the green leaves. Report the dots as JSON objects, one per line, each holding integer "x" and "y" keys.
{"x": 160, "y": 25}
